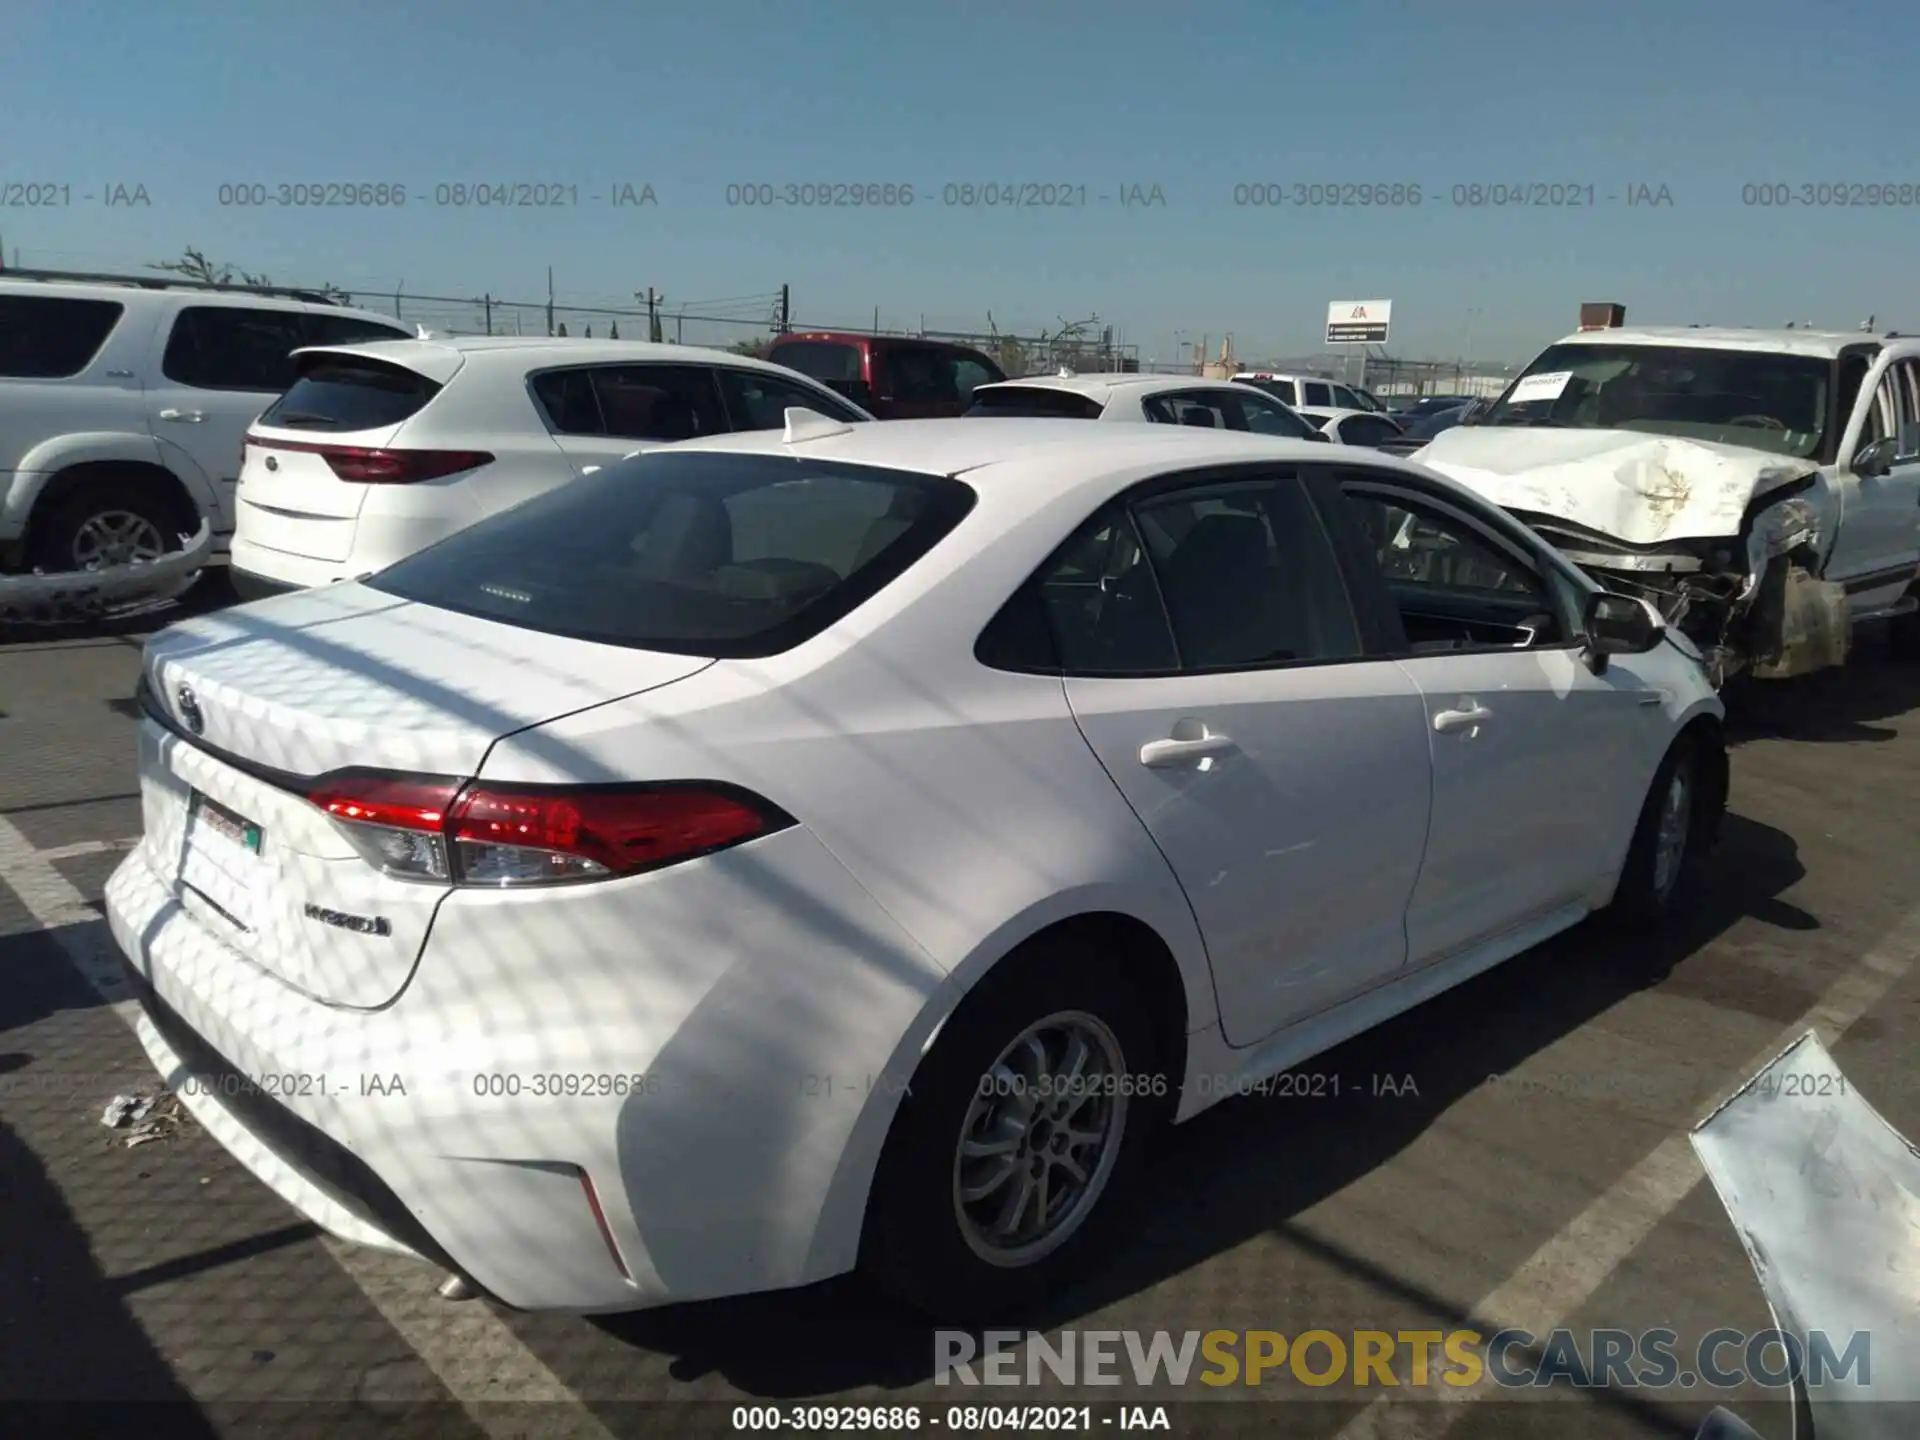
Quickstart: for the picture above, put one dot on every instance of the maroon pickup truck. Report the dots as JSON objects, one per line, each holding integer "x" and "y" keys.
{"x": 892, "y": 377}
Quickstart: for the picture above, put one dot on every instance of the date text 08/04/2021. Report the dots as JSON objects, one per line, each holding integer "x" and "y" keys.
{"x": 959, "y": 1419}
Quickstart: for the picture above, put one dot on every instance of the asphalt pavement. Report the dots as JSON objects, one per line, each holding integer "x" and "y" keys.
{"x": 1524, "y": 1162}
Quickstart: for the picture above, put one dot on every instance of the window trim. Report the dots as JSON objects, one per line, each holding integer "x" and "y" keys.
{"x": 1497, "y": 530}
{"x": 792, "y": 380}
{"x": 297, "y": 316}
{"x": 1377, "y": 640}
{"x": 590, "y": 366}
{"x": 119, "y": 308}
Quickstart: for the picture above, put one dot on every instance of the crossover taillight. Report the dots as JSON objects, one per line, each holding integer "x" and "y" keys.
{"x": 436, "y": 828}
{"x": 385, "y": 467}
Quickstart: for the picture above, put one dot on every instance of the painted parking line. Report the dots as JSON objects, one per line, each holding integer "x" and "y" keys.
{"x": 88, "y": 847}
{"x": 469, "y": 1349}
{"x": 1563, "y": 1274}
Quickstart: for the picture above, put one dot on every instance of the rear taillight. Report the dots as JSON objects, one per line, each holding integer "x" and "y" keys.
{"x": 386, "y": 467}
{"x": 431, "y": 828}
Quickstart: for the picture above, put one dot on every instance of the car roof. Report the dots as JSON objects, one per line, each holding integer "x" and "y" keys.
{"x": 191, "y": 294}
{"x": 1104, "y": 386}
{"x": 1078, "y": 455}
{"x": 431, "y": 356}
{"x": 1824, "y": 344}
{"x": 855, "y": 337}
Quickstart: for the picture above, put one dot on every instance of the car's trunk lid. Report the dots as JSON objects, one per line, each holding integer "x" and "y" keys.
{"x": 252, "y": 705}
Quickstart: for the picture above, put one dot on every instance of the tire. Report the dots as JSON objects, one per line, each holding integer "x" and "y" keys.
{"x": 1654, "y": 887}
{"x": 1903, "y": 636}
{"x": 916, "y": 1242}
{"x": 138, "y": 519}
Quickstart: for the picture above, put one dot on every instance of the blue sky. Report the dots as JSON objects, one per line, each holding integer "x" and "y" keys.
{"x": 1702, "y": 98}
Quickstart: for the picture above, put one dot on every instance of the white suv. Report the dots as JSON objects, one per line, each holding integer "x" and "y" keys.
{"x": 379, "y": 450}
{"x": 123, "y": 404}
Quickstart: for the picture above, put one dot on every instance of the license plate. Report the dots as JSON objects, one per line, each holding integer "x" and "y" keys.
{"x": 223, "y": 822}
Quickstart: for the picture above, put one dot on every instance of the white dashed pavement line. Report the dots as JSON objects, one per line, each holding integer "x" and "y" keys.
{"x": 466, "y": 1345}
{"x": 88, "y": 847}
{"x": 1563, "y": 1274}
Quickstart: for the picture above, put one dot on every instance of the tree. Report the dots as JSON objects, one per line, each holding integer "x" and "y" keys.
{"x": 756, "y": 348}
{"x": 194, "y": 265}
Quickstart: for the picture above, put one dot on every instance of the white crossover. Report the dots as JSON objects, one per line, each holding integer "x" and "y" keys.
{"x": 849, "y": 845}
{"x": 378, "y": 450}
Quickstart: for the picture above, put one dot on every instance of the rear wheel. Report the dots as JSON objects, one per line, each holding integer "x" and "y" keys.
{"x": 1669, "y": 848}
{"x": 1024, "y": 1129}
{"x": 105, "y": 523}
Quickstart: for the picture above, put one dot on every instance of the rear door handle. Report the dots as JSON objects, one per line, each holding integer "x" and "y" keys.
{"x": 188, "y": 417}
{"x": 1448, "y": 721}
{"x": 1163, "y": 754}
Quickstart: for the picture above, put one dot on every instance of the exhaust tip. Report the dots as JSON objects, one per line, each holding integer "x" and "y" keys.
{"x": 455, "y": 1287}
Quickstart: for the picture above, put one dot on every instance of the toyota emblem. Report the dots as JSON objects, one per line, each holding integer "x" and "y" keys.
{"x": 190, "y": 710}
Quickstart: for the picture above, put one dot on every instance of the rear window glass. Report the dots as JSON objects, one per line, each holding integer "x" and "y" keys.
{"x": 44, "y": 337}
{"x": 349, "y": 330}
{"x": 819, "y": 359}
{"x": 732, "y": 556}
{"x": 1035, "y": 400}
{"x": 341, "y": 393}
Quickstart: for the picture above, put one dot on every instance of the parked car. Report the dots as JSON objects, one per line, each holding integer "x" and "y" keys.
{"x": 1416, "y": 435}
{"x": 123, "y": 403}
{"x": 896, "y": 377}
{"x": 1368, "y": 400}
{"x": 1419, "y": 407}
{"x": 1352, "y": 427}
{"x": 1137, "y": 399}
{"x": 850, "y": 845}
{"x": 378, "y": 450}
{"x": 1302, "y": 392}
{"x": 1761, "y": 486}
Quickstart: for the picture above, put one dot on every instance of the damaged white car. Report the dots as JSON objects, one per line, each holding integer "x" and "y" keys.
{"x": 1762, "y": 487}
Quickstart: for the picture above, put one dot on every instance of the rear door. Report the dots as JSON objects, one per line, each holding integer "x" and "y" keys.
{"x": 1278, "y": 759}
{"x": 290, "y": 497}
{"x": 602, "y": 413}
{"x": 48, "y": 342}
{"x": 219, "y": 366}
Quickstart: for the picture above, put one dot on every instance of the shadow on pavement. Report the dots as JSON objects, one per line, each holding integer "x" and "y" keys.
{"x": 1249, "y": 1167}
{"x": 1841, "y": 706}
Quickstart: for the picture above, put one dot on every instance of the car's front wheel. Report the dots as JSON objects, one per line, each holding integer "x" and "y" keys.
{"x": 1023, "y": 1131}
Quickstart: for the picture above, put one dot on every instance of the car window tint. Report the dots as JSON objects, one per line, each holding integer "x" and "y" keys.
{"x": 1035, "y": 401}
{"x": 1366, "y": 430}
{"x": 759, "y": 401}
{"x": 1269, "y": 417}
{"x": 658, "y": 402}
{"x": 822, "y": 360}
{"x": 1200, "y": 409}
{"x": 1454, "y": 587}
{"x": 921, "y": 375}
{"x": 346, "y": 393}
{"x": 725, "y": 555}
{"x": 348, "y": 330}
{"x": 570, "y": 404}
{"x": 1248, "y": 576}
{"x": 45, "y": 337}
{"x": 231, "y": 347}
{"x": 970, "y": 375}
{"x": 1318, "y": 393}
{"x": 1100, "y": 603}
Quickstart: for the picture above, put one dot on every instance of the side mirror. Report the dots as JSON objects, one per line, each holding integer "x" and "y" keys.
{"x": 1618, "y": 625}
{"x": 1875, "y": 459}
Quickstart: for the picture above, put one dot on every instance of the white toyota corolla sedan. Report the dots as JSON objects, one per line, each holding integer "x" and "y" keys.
{"x": 847, "y": 846}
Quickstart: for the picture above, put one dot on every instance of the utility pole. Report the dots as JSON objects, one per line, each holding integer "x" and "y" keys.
{"x": 549, "y": 300}
{"x": 786, "y": 310}
{"x": 653, "y": 314}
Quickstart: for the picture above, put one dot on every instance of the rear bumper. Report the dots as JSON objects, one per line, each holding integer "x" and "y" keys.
{"x": 259, "y": 572}
{"x": 721, "y": 1061}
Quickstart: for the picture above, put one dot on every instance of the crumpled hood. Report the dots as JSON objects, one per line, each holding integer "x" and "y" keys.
{"x": 1643, "y": 489}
